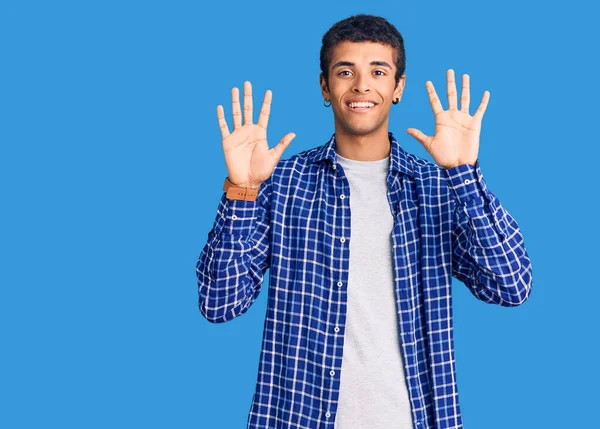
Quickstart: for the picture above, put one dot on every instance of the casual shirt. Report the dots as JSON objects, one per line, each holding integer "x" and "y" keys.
{"x": 446, "y": 223}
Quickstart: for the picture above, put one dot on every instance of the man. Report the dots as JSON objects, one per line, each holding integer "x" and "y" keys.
{"x": 362, "y": 240}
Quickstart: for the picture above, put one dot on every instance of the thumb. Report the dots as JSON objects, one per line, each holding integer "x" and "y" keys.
{"x": 277, "y": 151}
{"x": 417, "y": 134}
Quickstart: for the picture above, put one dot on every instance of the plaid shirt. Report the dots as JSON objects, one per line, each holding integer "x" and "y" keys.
{"x": 446, "y": 223}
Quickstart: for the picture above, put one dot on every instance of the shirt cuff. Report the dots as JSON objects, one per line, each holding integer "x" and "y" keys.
{"x": 466, "y": 182}
{"x": 237, "y": 217}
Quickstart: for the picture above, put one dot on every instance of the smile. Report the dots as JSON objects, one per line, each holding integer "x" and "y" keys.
{"x": 360, "y": 105}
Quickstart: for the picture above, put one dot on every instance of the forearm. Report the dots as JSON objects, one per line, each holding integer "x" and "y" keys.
{"x": 232, "y": 264}
{"x": 489, "y": 255}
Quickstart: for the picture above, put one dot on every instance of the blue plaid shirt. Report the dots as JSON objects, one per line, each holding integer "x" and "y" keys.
{"x": 446, "y": 223}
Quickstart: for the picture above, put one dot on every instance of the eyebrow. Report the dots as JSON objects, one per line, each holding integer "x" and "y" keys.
{"x": 350, "y": 64}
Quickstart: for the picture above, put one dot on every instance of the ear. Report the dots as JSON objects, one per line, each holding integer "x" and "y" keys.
{"x": 400, "y": 88}
{"x": 324, "y": 89}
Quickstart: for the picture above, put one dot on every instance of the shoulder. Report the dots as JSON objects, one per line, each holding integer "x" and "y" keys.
{"x": 297, "y": 160}
{"x": 296, "y": 166}
{"x": 428, "y": 178}
{"x": 423, "y": 168}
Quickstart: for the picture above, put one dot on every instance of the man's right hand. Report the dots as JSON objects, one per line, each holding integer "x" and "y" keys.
{"x": 247, "y": 155}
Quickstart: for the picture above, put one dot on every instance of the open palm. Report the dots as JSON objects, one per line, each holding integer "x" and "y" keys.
{"x": 456, "y": 137}
{"x": 247, "y": 155}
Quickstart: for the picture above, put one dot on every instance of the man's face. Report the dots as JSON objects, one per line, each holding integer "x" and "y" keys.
{"x": 362, "y": 86}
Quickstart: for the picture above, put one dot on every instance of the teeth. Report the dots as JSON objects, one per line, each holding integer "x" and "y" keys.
{"x": 361, "y": 104}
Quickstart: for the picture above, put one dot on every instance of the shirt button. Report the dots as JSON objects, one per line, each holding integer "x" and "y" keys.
{"x": 340, "y": 284}
{"x": 331, "y": 372}
{"x": 234, "y": 217}
{"x": 334, "y": 166}
{"x": 327, "y": 414}
{"x": 342, "y": 196}
{"x": 467, "y": 182}
{"x": 336, "y": 329}
{"x": 343, "y": 240}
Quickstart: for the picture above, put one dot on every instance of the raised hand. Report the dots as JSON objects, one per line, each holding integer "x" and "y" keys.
{"x": 247, "y": 155}
{"x": 456, "y": 137}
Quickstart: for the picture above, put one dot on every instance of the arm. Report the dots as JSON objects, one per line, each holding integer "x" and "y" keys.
{"x": 489, "y": 255}
{"x": 488, "y": 252}
{"x": 232, "y": 264}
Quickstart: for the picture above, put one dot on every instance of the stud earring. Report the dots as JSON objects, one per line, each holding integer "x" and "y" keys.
{"x": 396, "y": 101}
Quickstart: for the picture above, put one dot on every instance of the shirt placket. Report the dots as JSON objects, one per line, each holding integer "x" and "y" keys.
{"x": 340, "y": 274}
{"x": 397, "y": 198}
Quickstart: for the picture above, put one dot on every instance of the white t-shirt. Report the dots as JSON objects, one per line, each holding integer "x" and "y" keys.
{"x": 373, "y": 388}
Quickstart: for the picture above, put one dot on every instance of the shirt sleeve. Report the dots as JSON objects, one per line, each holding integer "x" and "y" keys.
{"x": 489, "y": 254}
{"x": 232, "y": 264}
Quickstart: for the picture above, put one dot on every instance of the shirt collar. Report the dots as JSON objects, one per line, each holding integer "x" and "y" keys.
{"x": 399, "y": 161}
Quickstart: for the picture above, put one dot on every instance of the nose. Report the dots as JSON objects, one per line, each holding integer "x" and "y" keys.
{"x": 360, "y": 85}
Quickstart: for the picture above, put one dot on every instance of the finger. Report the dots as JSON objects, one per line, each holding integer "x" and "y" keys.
{"x": 433, "y": 98}
{"x": 481, "y": 109}
{"x": 465, "y": 95}
{"x": 222, "y": 122}
{"x": 451, "y": 90}
{"x": 422, "y": 138}
{"x": 277, "y": 151}
{"x": 235, "y": 107}
{"x": 247, "y": 103}
{"x": 265, "y": 111}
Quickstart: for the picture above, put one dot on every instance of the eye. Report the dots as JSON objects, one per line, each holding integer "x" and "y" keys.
{"x": 342, "y": 73}
{"x": 379, "y": 72}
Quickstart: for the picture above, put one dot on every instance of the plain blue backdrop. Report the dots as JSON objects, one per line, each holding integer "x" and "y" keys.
{"x": 111, "y": 169}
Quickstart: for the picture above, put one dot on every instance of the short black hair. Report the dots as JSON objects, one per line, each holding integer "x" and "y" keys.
{"x": 363, "y": 28}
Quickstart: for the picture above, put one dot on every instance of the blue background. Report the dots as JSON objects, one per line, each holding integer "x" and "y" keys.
{"x": 111, "y": 169}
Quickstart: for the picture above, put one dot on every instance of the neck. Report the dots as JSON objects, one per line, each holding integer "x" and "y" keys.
{"x": 370, "y": 147}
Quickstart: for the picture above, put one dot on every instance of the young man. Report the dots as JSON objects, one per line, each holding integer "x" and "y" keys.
{"x": 362, "y": 240}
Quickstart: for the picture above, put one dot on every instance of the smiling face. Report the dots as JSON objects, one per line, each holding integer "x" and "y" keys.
{"x": 362, "y": 87}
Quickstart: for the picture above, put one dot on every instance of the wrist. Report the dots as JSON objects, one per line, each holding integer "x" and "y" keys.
{"x": 240, "y": 192}
{"x": 250, "y": 185}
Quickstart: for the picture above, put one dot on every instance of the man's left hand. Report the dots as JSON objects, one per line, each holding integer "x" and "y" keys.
{"x": 456, "y": 138}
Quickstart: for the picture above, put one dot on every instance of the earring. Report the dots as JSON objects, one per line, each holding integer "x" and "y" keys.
{"x": 396, "y": 101}
{"x": 325, "y": 103}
